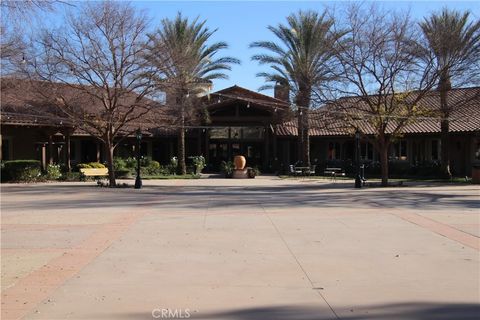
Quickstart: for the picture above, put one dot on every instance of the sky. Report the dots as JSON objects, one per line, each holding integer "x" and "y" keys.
{"x": 239, "y": 23}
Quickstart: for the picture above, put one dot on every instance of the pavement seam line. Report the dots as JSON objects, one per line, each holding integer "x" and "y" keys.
{"x": 82, "y": 252}
{"x": 440, "y": 228}
{"x": 298, "y": 262}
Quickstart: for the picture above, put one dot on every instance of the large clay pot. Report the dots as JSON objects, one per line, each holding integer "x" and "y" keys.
{"x": 239, "y": 162}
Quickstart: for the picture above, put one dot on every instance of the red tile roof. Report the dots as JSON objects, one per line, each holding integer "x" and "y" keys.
{"x": 328, "y": 120}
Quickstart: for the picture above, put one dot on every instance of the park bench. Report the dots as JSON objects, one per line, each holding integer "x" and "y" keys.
{"x": 94, "y": 172}
{"x": 334, "y": 173}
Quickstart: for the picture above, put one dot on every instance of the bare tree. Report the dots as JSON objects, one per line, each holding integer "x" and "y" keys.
{"x": 381, "y": 73}
{"x": 16, "y": 18}
{"x": 94, "y": 63}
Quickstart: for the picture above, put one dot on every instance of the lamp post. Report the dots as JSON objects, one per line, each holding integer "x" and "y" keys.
{"x": 358, "y": 179}
{"x": 138, "y": 180}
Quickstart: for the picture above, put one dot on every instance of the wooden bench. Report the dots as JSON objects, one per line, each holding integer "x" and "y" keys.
{"x": 94, "y": 172}
{"x": 334, "y": 173}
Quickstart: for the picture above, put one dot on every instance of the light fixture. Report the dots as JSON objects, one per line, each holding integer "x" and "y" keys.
{"x": 301, "y": 112}
{"x": 248, "y": 105}
{"x": 218, "y": 101}
{"x": 275, "y": 109}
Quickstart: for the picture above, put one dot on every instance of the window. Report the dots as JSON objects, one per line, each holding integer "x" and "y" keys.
{"x": 334, "y": 151}
{"x": 400, "y": 150}
{"x": 219, "y": 133}
{"x": 435, "y": 150}
{"x": 252, "y": 133}
{"x": 5, "y": 149}
{"x": 477, "y": 150}
{"x": 366, "y": 151}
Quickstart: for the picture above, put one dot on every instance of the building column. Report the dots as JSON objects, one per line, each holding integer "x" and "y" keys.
{"x": 50, "y": 148}
{"x": 68, "y": 151}
{"x": 207, "y": 146}
{"x": 98, "y": 153}
{"x": 275, "y": 152}
{"x": 44, "y": 157}
{"x": 266, "y": 155}
{"x": 199, "y": 142}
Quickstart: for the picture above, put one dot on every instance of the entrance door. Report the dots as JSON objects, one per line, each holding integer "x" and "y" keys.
{"x": 219, "y": 151}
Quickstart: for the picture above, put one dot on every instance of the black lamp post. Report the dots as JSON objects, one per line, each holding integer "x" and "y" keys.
{"x": 138, "y": 180}
{"x": 358, "y": 179}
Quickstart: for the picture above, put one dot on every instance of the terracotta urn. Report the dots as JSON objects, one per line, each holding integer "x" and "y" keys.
{"x": 239, "y": 162}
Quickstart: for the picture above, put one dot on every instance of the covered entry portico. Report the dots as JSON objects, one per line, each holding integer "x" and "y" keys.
{"x": 242, "y": 122}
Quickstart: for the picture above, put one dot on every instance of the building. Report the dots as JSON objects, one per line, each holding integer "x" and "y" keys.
{"x": 239, "y": 121}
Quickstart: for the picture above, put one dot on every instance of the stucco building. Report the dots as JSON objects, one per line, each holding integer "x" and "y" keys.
{"x": 238, "y": 121}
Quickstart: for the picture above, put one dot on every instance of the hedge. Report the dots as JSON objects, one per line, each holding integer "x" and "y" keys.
{"x": 90, "y": 165}
{"x": 21, "y": 170}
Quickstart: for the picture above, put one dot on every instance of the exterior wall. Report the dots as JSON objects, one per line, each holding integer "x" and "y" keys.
{"x": 277, "y": 151}
{"x": 412, "y": 149}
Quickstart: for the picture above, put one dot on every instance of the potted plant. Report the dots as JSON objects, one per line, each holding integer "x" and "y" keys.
{"x": 227, "y": 168}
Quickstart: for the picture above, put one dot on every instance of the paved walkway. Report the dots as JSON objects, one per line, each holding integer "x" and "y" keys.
{"x": 240, "y": 249}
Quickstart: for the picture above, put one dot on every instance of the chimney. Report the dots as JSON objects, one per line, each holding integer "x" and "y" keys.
{"x": 282, "y": 92}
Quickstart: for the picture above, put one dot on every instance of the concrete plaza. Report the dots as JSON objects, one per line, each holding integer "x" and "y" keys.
{"x": 264, "y": 248}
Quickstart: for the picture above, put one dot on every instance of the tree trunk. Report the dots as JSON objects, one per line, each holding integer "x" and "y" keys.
{"x": 303, "y": 103}
{"x": 182, "y": 168}
{"x": 444, "y": 86}
{"x": 384, "y": 164}
{"x": 111, "y": 173}
{"x": 445, "y": 148}
{"x": 300, "y": 136}
{"x": 306, "y": 139}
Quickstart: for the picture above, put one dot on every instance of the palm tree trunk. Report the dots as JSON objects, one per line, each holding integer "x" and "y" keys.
{"x": 182, "y": 167}
{"x": 300, "y": 136}
{"x": 445, "y": 86}
{"x": 306, "y": 139}
{"x": 303, "y": 103}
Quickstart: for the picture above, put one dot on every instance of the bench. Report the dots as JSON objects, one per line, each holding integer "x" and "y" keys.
{"x": 334, "y": 173}
{"x": 94, "y": 172}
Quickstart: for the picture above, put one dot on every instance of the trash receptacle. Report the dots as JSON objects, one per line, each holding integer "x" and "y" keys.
{"x": 476, "y": 173}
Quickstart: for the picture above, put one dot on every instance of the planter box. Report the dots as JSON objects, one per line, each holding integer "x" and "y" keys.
{"x": 94, "y": 172}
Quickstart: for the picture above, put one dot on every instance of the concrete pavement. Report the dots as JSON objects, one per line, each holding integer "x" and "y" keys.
{"x": 240, "y": 249}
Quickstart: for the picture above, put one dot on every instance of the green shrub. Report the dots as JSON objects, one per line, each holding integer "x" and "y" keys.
{"x": 97, "y": 165}
{"x": 53, "y": 172}
{"x": 199, "y": 164}
{"x": 72, "y": 176}
{"x": 122, "y": 173}
{"x": 90, "y": 165}
{"x": 130, "y": 163}
{"x": 21, "y": 170}
{"x": 227, "y": 168}
{"x": 119, "y": 164}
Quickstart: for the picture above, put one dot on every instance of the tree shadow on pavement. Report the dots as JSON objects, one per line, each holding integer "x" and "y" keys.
{"x": 403, "y": 311}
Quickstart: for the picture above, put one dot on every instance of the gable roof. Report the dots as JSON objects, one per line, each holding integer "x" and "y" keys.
{"x": 238, "y": 93}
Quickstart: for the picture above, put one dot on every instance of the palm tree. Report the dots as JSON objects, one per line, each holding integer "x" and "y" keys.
{"x": 300, "y": 61}
{"x": 455, "y": 44}
{"x": 185, "y": 65}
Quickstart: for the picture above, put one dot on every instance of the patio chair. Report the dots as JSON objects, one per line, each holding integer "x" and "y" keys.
{"x": 294, "y": 172}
